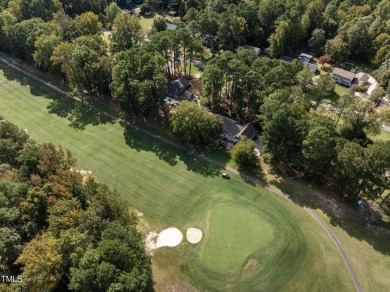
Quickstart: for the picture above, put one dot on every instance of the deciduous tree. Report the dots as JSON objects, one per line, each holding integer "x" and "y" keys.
{"x": 126, "y": 33}
{"x": 244, "y": 154}
{"x": 195, "y": 126}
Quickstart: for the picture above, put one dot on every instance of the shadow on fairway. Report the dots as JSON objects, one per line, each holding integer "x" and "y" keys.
{"x": 140, "y": 142}
{"x": 342, "y": 214}
{"x": 78, "y": 115}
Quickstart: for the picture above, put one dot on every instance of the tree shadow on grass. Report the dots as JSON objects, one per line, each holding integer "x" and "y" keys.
{"x": 139, "y": 142}
{"x": 342, "y": 214}
{"x": 79, "y": 115}
{"x": 168, "y": 153}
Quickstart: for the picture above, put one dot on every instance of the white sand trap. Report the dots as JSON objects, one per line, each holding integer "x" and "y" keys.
{"x": 169, "y": 237}
{"x": 194, "y": 235}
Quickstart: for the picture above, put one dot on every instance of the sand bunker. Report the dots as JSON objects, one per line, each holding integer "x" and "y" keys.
{"x": 169, "y": 237}
{"x": 194, "y": 235}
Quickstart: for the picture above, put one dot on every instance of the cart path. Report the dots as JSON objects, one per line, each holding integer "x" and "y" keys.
{"x": 273, "y": 189}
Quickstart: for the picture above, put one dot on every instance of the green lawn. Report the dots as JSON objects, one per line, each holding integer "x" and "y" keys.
{"x": 146, "y": 22}
{"x": 194, "y": 69}
{"x": 340, "y": 90}
{"x": 368, "y": 250}
{"x": 234, "y": 234}
{"x": 173, "y": 188}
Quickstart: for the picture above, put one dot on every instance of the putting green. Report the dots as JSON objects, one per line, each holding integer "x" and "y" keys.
{"x": 234, "y": 234}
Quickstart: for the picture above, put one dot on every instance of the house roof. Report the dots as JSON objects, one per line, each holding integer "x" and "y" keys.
{"x": 230, "y": 127}
{"x": 234, "y": 129}
{"x": 177, "y": 87}
{"x": 249, "y": 130}
{"x": 171, "y": 26}
{"x": 304, "y": 60}
{"x": 303, "y": 55}
{"x": 362, "y": 77}
{"x": 174, "y": 89}
{"x": 344, "y": 73}
{"x": 312, "y": 67}
{"x": 183, "y": 83}
{"x": 287, "y": 59}
{"x": 186, "y": 95}
{"x": 252, "y": 48}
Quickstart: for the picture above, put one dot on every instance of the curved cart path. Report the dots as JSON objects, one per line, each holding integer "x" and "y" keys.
{"x": 211, "y": 160}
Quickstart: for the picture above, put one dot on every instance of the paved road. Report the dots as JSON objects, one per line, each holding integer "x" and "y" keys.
{"x": 211, "y": 160}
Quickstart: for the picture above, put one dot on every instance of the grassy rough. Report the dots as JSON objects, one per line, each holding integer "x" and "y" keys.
{"x": 173, "y": 188}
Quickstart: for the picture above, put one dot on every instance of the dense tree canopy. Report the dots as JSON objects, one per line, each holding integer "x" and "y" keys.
{"x": 57, "y": 228}
{"x": 138, "y": 80}
{"x": 126, "y": 32}
{"x": 244, "y": 154}
{"x": 195, "y": 126}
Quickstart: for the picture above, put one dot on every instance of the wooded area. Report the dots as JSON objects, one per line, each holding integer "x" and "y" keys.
{"x": 61, "y": 230}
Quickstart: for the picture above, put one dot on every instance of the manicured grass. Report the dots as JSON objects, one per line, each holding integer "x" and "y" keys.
{"x": 234, "y": 234}
{"x": 368, "y": 250}
{"x": 340, "y": 90}
{"x": 173, "y": 188}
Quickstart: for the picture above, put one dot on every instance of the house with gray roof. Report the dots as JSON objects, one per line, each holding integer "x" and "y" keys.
{"x": 171, "y": 26}
{"x": 178, "y": 89}
{"x": 233, "y": 131}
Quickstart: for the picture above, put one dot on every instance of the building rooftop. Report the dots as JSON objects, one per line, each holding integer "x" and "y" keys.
{"x": 171, "y": 26}
{"x": 234, "y": 129}
{"x": 344, "y": 73}
{"x": 362, "y": 77}
{"x": 306, "y": 55}
{"x": 177, "y": 88}
{"x": 252, "y": 48}
{"x": 287, "y": 59}
{"x": 312, "y": 67}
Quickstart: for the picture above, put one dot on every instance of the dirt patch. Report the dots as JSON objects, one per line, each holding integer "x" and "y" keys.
{"x": 85, "y": 173}
{"x": 139, "y": 214}
{"x": 150, "y": 242}
{"x": 196, "y": 87}
{"x": 251, "y": 265}
{"x": 178, "y": 286}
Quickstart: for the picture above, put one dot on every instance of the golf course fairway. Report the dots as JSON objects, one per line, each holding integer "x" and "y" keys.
{"x": 282, "y": 247}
